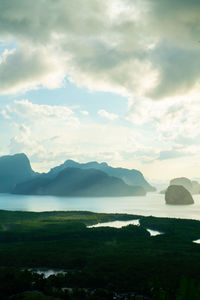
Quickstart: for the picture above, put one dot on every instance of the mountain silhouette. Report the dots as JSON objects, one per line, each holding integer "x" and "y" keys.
{"x": 78, "y": 182}
{"x": 14, "y": 169}
{"x": 131, "y": 177}
{"x": 191, "y": 185}
{"x": 70, "y": 179}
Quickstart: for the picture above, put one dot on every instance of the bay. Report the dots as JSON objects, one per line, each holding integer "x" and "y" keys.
{"x": 151, "y": 204}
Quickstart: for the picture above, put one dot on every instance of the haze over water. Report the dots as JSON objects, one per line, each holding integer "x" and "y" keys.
{"x": 152, "y": 204}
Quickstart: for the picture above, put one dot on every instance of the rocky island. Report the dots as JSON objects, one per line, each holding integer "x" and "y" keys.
{"x": 178, "y": 195}
{"x": 191, "y": 185}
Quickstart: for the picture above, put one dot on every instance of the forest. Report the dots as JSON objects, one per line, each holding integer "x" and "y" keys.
{"x": 99, "y": 263}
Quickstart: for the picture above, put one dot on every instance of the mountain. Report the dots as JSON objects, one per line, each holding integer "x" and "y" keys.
{"x": 78, "y": 182}
{"x": 14, "y": 169}
{"x": 70, "y": 178}
{"x": 192, "y": 186}
{"x": 130, "y": 177}
{"x": 178, "y": 195}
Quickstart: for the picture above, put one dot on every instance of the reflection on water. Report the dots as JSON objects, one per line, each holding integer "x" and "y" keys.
{"x": 116, "y": 224}
{"x": 197, "y": 241}
{"x": 154, "y": 232}
{"x": 151, "y": 204}
{"x": 120, "y": 224}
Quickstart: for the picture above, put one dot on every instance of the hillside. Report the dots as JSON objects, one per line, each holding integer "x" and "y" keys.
{"x": 14, "y": 169}
{"x": 130, "y": 177}
{"x": 78, "y": 182}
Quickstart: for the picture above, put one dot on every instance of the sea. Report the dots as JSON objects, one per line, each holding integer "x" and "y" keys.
{"x": 153, "y": 204}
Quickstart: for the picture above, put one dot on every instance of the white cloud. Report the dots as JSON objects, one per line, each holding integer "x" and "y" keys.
{"x": 175, "y": 117}
{"x": 84, "y": 112}
{"x": 4, "y": 114}
{"x": 48, "y": 135}
{"x": 38, "y": 113}
{"x": 104, "y": 114}
{"x": 51, "y": 134}
{"x": 24, "y": 142}
{"x": 136, "y": 48}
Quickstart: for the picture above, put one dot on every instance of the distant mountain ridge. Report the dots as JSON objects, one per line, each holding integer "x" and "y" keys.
{"x": 70, "y": 178}
{"x": 78, "y": 182}
{"x": 191, "y": 185}
{"x": 131, "y": 177}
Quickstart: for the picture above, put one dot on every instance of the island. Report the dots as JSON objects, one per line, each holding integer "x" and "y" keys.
{"x": 178, "y": 195}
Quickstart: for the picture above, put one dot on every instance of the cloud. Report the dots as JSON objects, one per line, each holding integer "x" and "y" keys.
{"x": 179, "y": 70}
{"x": 104, "y": 114}
{"x": 178, "y": 20}
{"x": 4, "y": 114}
{"x": 84, "y": 112}
{"x": 170, "y": 154}
{"x": 52, "y": 134}
{"x": 28, "y": 68}
{"x": 136, "y": 48}
{"x": 24, "y": 142}
{"x": 38, "y": 113}
{"x": 146, "y": 50}
{"x": 170, "y": 119}
{"x": 36, "y": 130}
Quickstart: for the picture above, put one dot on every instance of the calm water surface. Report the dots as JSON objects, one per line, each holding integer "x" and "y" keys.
{"x": 197, "y": 241}
{"x": 120, "y": 224}
{"x": 116, "y": 224}
{"x": 152, "y": 204}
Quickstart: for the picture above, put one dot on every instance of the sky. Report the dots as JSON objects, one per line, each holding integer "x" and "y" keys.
{"x": 115, "y": 81}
